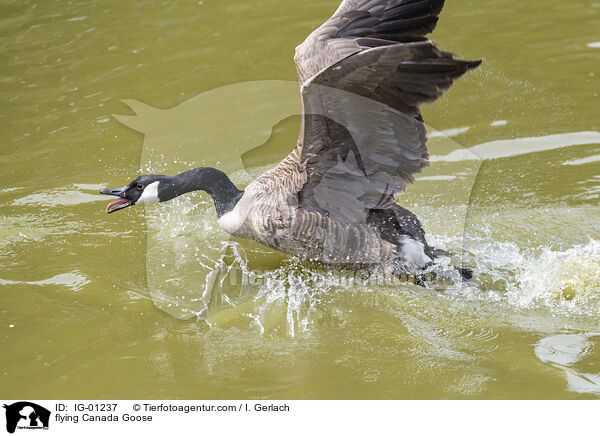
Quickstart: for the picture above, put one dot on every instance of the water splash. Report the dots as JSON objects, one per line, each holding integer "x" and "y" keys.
{"x": 566, "y": 280}
{"x": 195, "y": 271}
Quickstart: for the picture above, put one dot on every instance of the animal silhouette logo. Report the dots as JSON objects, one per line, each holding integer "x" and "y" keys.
{"x": 26, "y": 415}
{"x": 245, "y": 129}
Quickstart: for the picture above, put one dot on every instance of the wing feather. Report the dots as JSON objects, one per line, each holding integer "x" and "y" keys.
{"x": 363, "y": 75}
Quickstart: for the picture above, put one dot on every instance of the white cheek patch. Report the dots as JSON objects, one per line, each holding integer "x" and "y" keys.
{"x": 149, "y": 194}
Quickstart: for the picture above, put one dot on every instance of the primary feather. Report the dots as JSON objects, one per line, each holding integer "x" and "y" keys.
{"x": 363, "y": 75}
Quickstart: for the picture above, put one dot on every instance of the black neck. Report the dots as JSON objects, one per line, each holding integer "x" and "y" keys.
{"x": 223, "y": 192}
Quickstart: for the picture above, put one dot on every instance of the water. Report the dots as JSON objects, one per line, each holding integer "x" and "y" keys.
{"x": 87, "y": 309}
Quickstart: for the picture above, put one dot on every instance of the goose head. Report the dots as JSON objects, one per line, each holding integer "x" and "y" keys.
{"x": 150, "y": 188}
{"x": 155, "y": 188}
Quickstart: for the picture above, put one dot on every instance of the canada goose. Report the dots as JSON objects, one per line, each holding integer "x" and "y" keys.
{"x": 363, "y": 75}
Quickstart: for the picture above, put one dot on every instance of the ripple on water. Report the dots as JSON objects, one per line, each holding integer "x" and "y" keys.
{"x": 515, "y": 147}
{"x": 74, "y": 280}
{"x": 583, "y": 161}
{"x": 564, "y": 352}
{"x": 58, "y": 198}
{"x": 15, "y": 229}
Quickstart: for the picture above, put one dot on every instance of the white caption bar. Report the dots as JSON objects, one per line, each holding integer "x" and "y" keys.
{"x": 22, "y": 417}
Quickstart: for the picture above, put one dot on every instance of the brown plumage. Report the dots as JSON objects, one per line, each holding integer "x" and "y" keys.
{"x": 363, "y": 75}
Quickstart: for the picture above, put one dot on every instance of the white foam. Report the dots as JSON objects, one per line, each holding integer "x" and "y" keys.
{"x": 557, "y": 278}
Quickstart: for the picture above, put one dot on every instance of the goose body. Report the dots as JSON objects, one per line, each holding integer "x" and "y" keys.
{"x": 269, "y": 213}
{"x": 363, "y": 75}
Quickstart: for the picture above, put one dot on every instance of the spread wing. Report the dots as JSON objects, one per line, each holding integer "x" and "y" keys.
{"x": 363, "y": 75}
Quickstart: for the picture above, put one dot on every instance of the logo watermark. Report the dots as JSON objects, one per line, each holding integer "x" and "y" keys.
{"x": 24, "y": 415}
{"x": 245, "y": 129}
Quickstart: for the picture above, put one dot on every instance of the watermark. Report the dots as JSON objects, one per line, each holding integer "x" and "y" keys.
{"x": 247, "y": 128}
{"x": 25, "y": 415}
{"x": 342, "y": 278}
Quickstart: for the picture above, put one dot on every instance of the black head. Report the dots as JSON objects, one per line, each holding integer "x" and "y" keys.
{"x": 156, "y": 188}
{"x": 150, "y": 188}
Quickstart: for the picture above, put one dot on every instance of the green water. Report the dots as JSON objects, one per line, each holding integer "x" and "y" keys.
{"x": 87, "y": 309}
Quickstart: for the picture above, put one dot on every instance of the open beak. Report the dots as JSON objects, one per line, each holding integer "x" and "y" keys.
{"x": 119, "y": 203}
